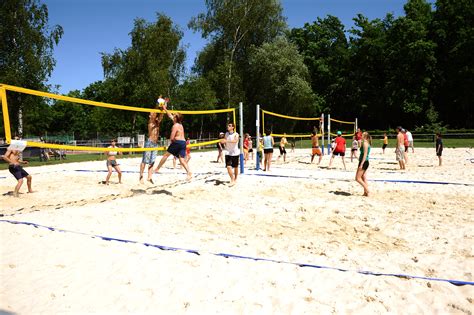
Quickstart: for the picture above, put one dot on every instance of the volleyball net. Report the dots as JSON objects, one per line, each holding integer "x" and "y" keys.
{"x": 209, "y": 122}
{"x": 347, "y": 128}
{"x": 281, "y": 125}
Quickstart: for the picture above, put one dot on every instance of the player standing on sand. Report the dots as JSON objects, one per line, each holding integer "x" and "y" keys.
{"x": 340, "y": 149}
{"x": 315, "y": 150}
{"x": 231, "y": 141}
{"x": 112, "y": 162}
{"x": 13, "y": 158}
{"x": 400, "y": 148}
{"x": 361, "y": 173}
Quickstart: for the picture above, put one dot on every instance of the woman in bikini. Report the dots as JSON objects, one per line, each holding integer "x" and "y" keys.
{"x": 112, "y": 162}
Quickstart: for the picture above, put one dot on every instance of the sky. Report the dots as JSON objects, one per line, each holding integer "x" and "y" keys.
{"x": 92, "y": 27}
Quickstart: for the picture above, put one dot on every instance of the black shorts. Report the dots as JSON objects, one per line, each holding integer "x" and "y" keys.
{"x": 250, "y": 150}
{"x": 406, "y": 148}
{"x": 339, "y": 153}
{"x": 282, "y": 150}
{"x": 232, "y": 161}
{"x": 384, "y": 146}
{"x": 439, "y": 152}
{"x": 17, "y": 171}
{"x": 178, "y": 148}
{"x": 112, "y": 163}
{"x": 267, "y": 151}
{"x": 365, "y": 166}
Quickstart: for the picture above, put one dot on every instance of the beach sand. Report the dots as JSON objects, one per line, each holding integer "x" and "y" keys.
{"x": 297, "y": 214}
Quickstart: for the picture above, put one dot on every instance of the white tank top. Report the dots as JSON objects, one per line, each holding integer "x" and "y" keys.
{"x": 232, "y": 148}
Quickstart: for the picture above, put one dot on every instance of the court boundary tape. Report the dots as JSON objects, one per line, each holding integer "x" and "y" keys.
{"x": 370, "y": 180}
{"x": 234, "y": 256}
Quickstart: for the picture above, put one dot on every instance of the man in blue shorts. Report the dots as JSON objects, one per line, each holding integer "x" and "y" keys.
{"x": 177, "y": 147}
{"x": 15, "y": 168}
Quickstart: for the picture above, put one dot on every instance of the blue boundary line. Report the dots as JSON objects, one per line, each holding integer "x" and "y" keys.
{"x": 234, "y": 256}
{"x": 372, "y": 180}
{"x": 306, "y": 177}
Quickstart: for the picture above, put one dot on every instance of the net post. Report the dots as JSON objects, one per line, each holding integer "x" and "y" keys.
{"x": 322, "y": 133}
{"x": 6, "y": 117}
{"x": 241, "y": 138}
{"x": 257, "y": 137}
{"x": 329, "y": 134}
{"x": 356, "y": 126}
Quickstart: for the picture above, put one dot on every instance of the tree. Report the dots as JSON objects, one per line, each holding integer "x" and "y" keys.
{"x": 280, "y": 80}
{"x": 233, "y": 27}
{"x": 26, "y": 59}
{"x": 324, "y": 47}
{"x": 153, "y": 65}
{"x": 453, "y": 33}
{"x": 410, "y": 64}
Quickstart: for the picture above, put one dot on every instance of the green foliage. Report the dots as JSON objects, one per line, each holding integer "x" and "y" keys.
{"x": 234, "y": 26}
{"x": 453, "y": 32}
{"x": 26, "y": 59}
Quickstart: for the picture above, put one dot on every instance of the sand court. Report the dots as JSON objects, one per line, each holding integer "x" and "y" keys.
{"x": 298, "y": 213}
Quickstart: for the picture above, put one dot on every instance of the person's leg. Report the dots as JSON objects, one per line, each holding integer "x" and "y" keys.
{"x": 16, "y": 192}
{"x": 183, "y": 162}
{"x": 330, "y": 161}
{"x": 284, "y": 157}
{"x": 320, "y": 158}
{"x": 440, "y": 160}
{"x": 312, "y": 157}
{"x": 366, "y": 183}
{"x": 270, "y": 155}
{"x": 28, "y": 183}
{"x": 142, "y": 169}
{"x": 265, "y": 160}
{"x": 109, "y": 168}
{"x": 236, "y": 173}
{"x": 343, "y": 162}
{"x": 119, "y": 172}
{"x": 162, "y": 161}
{"x": 229, "y": 171}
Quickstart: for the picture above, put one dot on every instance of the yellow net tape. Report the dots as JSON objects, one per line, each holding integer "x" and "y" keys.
{"x": 289, "y": 117}
{"x": 295, "y": 136}
{"x": 107, "y": 105}
{"x": 344, "y": 134}
{"x": 103, "y": 149}
{"x": 343, "y": 122}
{"x": 6, "y": 119}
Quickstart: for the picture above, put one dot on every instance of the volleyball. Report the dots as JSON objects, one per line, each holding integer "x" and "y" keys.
{"x": 160, "y": 101}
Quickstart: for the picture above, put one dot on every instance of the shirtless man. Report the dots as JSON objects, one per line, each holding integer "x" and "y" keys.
{"x": 400, "y": 148}
{"x": 178, "y": 143}
{"x": 315, "y": 146}
{"x": 154, "y": 121}
{"x": 15, "y": 168}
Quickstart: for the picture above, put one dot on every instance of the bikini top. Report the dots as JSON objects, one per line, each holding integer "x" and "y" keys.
{"x": 112, "y": 153}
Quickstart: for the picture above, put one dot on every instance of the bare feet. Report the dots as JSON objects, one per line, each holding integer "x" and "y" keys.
{"x": 150, "y": 181}
{"x": 189, "y": 177}
{"x": 16, "y": 194}
{"x": 232, "y": 183}
{"x": 141, "y": 179}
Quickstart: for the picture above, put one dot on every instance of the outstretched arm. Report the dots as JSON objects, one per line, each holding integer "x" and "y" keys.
{"x": 167, "y": 113}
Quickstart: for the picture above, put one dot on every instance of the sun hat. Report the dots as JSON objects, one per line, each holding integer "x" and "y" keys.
{"x": 339, "y": 133}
